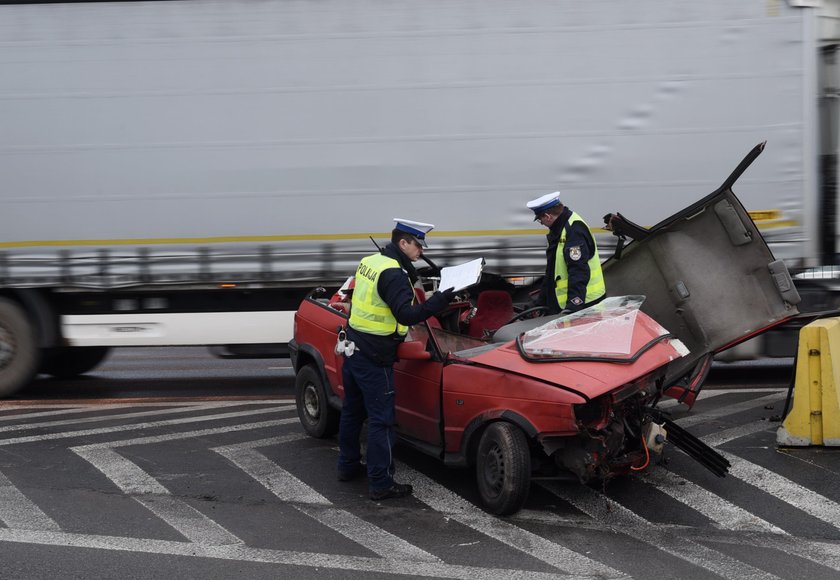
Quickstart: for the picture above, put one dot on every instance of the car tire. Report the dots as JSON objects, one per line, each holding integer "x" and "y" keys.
{"x": 316, "y": 415}
{"x": 503, "y": 468}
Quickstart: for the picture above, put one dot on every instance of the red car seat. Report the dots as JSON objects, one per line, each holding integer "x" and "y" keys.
{"x": 494, "y": 308}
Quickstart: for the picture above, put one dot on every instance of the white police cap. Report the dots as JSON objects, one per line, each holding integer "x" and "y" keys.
{"x": 416, "y": 229}
{"x": 543, "y": 203}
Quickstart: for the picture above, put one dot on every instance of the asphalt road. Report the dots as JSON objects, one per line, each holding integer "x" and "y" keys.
{"x": 171, "y": 372}
{"x": 168, "y": 463}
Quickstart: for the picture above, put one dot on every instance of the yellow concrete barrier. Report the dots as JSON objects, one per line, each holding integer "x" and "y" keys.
{"x": 815, "y": 416}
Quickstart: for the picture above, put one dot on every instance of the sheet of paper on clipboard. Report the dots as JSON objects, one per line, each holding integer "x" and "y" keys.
{"x": 461, "y": 276}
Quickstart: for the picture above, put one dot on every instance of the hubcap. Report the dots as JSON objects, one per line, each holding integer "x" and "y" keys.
{"x": 7, "y": 347}
{"x": 310, "y": 402}
{"x": 494, "y": 469}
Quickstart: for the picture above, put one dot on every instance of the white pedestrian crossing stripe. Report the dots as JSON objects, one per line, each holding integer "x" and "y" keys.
{"x": 535, "y": 535}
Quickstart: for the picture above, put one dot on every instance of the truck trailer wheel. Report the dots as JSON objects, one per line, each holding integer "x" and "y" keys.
{"x": 503, "y": 468}
{"x": 69, "y": 362}
{"x": 317, "y": 417}
{"x": 19, "y": 354}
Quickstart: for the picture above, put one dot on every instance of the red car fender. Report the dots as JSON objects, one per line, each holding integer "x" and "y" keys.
{"x": 471, "y": 435}
{"x": 476, "y": 427}
{"x": 474, "y": 395}
{"x": 460, "y": 439}
{"x": 316, "y": 329}
{"x": 306, "y": 354}
{"x": 462, "y": 453}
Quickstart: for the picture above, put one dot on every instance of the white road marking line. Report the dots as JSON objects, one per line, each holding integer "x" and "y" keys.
{"x": 241, "y": 553}
{"x": 275, "y": 479}
{"x": 457, "y": 508}
{"x": 724, "y": 513}
{"x": 582, "y": 521}
{"x": 129, "y": 477}
{"x": 84, "y": 407}
{"x": 97, "y": 419}
{"x": 61, "y": 410}
{"x": 549, "y": 518}
{"x": 146, "y": 490}
{"x": 18, "y": 512}
{"x": 624, "y": 521}
{"x": 188, "y": 521}
{"x": 776, "y": 485}
{"x": 364, "y": 533}
{"x": 820, "y": 552}
{"x": 303, "y": 498}
{"x": 726, "y": 435}
{"x": 137, "y": 426}
{"x": 74, "y": 409}
{"x": 122, "y": 472}
{"x": 815, "y": 550}
{"x": 711, "y": 393}
{"x": 134, "y": 481}
{"x": 151, "y": 439}
{"x": 785, "y": 490}
{"x": 729, "y": 410}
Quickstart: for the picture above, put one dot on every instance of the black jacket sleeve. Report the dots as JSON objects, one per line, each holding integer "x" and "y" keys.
{"x": 396, "y": 290}
{"x": 547, "y": 296}
{"x": 579, "y": 248}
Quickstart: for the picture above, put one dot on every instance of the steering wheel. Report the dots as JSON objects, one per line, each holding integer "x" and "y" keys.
{"x": 527, "y": 313}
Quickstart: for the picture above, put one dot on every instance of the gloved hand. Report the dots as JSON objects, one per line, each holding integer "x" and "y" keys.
{"x": 565, "y": 312}
{"x": 440, "y": 300}
{"x": 448, "y": 294}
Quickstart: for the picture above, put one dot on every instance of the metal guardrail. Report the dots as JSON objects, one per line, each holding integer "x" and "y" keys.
{"x": 108, "y": 268}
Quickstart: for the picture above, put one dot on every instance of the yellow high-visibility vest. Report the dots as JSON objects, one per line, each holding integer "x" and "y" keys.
{"x": 595, "y": 288}
{"x": 369, "y": 312}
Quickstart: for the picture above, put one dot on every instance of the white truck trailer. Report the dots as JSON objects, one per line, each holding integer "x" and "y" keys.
{"x": 181, "y": 172}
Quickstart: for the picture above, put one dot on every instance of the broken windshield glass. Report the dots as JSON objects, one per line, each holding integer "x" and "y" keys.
{"x": 613, "y": 329}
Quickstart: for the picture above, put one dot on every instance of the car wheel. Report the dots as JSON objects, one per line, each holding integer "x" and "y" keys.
{"x": 317, "y": 417}
{"x": 503, "y": 468}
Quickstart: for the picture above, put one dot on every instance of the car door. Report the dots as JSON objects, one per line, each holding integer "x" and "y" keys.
{"x": 417, "y": 387}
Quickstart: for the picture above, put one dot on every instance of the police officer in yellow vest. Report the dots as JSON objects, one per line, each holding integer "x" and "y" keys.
{"x": 573, "y": 277}
{"x": 384, "y": 306}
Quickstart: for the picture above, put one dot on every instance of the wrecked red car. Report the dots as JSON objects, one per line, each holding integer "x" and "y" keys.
{"x": 573, "y": 395}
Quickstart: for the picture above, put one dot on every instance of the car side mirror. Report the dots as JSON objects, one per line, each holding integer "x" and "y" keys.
{"x": 413, "y": 350}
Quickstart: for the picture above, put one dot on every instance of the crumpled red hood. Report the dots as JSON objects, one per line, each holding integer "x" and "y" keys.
{"x": 592, "y": 378}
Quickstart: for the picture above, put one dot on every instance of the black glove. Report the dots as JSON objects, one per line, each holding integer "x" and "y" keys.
{"x": 440, "y": 300}
{"x": 565, "y": 312}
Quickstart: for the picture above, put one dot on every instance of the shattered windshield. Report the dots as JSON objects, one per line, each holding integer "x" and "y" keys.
{"x": 603, "y": 331}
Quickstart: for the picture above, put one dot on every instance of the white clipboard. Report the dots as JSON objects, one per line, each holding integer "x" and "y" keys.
{"x": 461, "y": 276}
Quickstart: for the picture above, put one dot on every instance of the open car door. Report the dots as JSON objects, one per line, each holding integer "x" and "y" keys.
{"x": 417, "y": 377}
{"x": 708, "y": 276}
